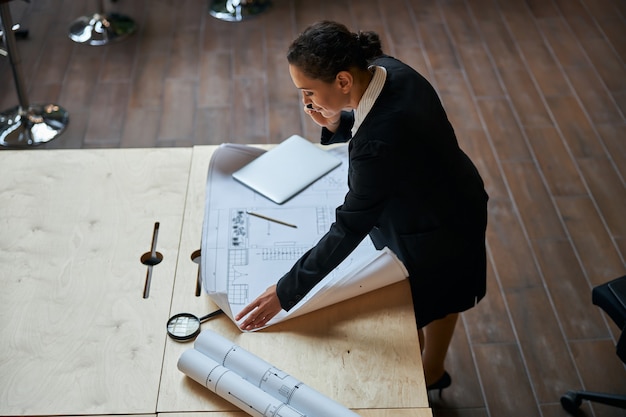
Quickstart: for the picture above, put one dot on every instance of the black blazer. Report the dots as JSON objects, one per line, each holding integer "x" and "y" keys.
{"x": 407, "y": 179}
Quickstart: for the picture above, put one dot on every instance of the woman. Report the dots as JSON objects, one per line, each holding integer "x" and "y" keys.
{"x": 411, "y": 187}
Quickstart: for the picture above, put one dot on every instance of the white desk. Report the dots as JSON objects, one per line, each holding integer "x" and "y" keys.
{"x": 78, "y": 338}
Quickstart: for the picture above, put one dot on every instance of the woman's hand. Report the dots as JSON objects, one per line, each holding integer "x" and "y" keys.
{"x": 261, "y": 310}
{"x": 318, "y": 118}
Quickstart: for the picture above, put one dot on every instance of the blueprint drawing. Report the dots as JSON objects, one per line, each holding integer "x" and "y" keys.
{"x": 244, "y": 254}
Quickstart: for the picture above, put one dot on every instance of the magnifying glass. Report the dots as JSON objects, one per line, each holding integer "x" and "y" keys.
{"x": 185, "y": 326}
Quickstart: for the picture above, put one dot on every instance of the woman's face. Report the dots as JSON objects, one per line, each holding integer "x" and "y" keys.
{"x": 326, "y": 98}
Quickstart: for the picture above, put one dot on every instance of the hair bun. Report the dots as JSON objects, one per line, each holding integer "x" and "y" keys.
{"x": 369, "y": 42}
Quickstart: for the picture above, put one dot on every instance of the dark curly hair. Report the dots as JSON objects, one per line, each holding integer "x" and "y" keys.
{"x": 327, "y": 47}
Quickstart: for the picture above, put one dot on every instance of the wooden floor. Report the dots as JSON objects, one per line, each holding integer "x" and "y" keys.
{"x": 536, "y": 90}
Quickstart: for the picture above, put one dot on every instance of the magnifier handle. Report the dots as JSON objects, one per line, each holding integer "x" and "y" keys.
{"x": 213, "y": 314}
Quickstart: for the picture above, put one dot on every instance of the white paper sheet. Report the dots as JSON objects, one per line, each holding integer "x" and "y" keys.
{"x": 242, "y": 255}
{"x": 251, "y": 383}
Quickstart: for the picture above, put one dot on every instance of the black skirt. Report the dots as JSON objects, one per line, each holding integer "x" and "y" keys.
{"x": 448, "y": 266}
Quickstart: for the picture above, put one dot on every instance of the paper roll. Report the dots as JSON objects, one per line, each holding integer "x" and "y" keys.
{"x": 268, "y": 378}
{"x": 232, "y": 387}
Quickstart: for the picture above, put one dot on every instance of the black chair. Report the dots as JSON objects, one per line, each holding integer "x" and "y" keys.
{"x": 611, "y": 297}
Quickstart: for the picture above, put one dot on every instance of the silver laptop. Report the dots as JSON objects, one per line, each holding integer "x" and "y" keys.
{"x": 284, "y": 171}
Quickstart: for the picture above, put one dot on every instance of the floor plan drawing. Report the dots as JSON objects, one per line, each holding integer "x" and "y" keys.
{"x": 249, "y": 242}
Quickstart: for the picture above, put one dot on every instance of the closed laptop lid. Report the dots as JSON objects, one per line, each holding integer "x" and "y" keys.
{"x": 284, "y": 171}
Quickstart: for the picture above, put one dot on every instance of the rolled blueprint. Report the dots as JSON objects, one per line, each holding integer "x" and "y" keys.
{"x": 251, "y": 383}
{"x": 232, "y": 387}
{"x": 264, "y": 376}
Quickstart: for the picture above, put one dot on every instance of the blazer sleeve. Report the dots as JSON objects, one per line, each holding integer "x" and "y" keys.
{"x": 343, "y": 133}
{"x": 368, "y": 187}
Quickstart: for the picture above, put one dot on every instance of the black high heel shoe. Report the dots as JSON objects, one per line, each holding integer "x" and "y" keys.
{"x": 444, "y": 382}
